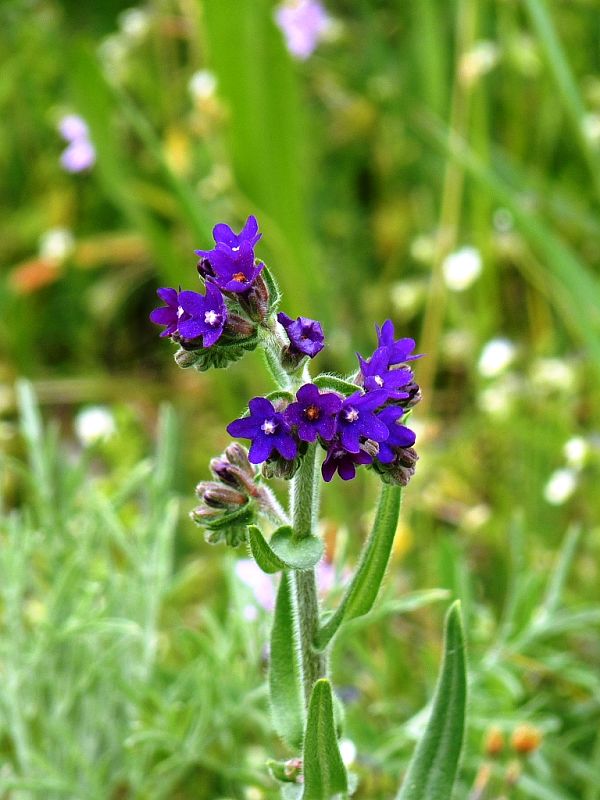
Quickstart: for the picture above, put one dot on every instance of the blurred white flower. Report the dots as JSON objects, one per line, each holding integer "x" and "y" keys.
{"x": 202, "y": 85}
{"x": 479, "y": 60}
{"x": 461, "y": 268}
{"x": 94, "y": 424}
{"x": 423, "y": 249}
{"x": 347, "y": 751}
{"x": 590, "y": 126}
{"x": 560, "y": 487}
{"x": 134, "y": 23}
{"x": 112, "y": 52}
{"x": 56, "y": 244}
{"x": 407, "y": 296}
{"x": 303, "y": 23}
{"x": 553, "y": 374}
{"x": 496, "y": 356}
{"x": 497, "y": 400}
{"x": 576, "y": 451}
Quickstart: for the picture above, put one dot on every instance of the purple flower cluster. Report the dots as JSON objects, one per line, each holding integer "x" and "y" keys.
{"x": 80, "y": 153}
{"x": 229, "y": 268}
{"x": 363, "y": 428}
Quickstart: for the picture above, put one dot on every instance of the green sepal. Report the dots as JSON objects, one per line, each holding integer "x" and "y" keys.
{"x": 285, "y": 673}
{"x": 364, "y": 587}
{"x": 284, "y": 551}
{"x": 432, "y": 769}
{"x": 324, "y": 771}
{"x": 225, "y": 352}
{"x": 244, "y": 514}
{"x": 285, "y": 771}
{"x": 334, "y": 383}
{"x": 274, "y": 290}
{"x": 231, "y": 527}
{"x": 280, "y": 394}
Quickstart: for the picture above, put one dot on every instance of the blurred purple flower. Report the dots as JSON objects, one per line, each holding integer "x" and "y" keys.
{"x": 305, "y": 335}
{"x": 303, "y": 23}
{"x": 72, "y": 128}
{"x": 268, "y": 431}
{"x": 78, "y": 156}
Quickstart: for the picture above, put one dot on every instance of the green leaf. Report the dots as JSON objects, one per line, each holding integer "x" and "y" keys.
{"x": 285, "y": 673}
{"x": 432, "y": 770}
{"x": 274, "y": 290}
{"x": 284, "y": 551}
{"x": 334, "y": 383}
{"x": 224, "y": 353}
{"x": 324, "y": 770}
{"x": 364, "y": 587}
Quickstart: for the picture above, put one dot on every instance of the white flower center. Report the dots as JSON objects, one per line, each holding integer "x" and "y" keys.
{"x": 351, "y": 415}
{"x": 235, "y": 249}
{"x": 211, "y": 317}
{"x": 378, "y": 380}
{"x": 268, "y": 426}
{"x": 180, "y": 312}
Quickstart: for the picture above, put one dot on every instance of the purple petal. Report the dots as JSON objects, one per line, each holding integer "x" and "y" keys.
{"x": 286, "y": 446}
{"x": 223, "y": 233}
{"x": 244, "y": 428}
{"x": 328, "y": 468}
{"x": 164, "y": 316}
{"x": 350, "y": 436}
{"x": 250, "y": 232}
{"x": 261, "y": 449}
{"x": 326, "y": 428}
{"x": 374, "y": 428}
{"x": 308, "y": 393}
{"x": 346, "y": 469}
{"x": 191, "y": 328}
{"x": 261, "y": 407}
{"x": 168, "y": 296}
{"x": 211, "y": 336}
{"x": 370, "y": 401}
{"x": 193, "y": 303}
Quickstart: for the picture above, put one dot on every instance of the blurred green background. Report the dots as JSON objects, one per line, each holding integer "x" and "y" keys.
{"x": 436, "y": 163}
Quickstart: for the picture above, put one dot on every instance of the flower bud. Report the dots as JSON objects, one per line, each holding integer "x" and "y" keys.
{"x": 238, "y": 456}
{"x": 186, "y": 358}
{"x": 205, "y": 269}
{"x": 278, "y": 467}
{"x": 216, "y": 495}
{"x": 237, "y": 325}
{"x": 256, "y": 300}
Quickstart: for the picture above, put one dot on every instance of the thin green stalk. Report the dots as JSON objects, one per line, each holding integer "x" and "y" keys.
{"x": 304, "y": 511}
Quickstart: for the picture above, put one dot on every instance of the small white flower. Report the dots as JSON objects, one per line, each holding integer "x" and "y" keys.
{"x": 94, "y": 424}
{"x": 202, "y": 85}
{"x": 553, "y": 374}
{"x": 56, "y": 244}
{"x": 496, "y": 356}
{"x": 479, "y": 60}
{"x": 347, "y": 751}
{"x": 576, "y": 451}
{"x": 461, "y": 268}
{"x": 497, "y": 400}
{"x": 134, "y": 23}
{"x": 561, "y": 485}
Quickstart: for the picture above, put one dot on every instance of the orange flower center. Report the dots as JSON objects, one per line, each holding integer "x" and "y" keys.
{"x": 239, "y": 277}
{"x": 312, "y": 413}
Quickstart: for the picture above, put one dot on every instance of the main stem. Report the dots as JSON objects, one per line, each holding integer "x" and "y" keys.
{"x": 304, "y": 512}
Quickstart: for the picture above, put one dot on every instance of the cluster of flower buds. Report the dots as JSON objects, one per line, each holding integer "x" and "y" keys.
{"x": 359, "y": 426}
{"x": 229, "y": 503}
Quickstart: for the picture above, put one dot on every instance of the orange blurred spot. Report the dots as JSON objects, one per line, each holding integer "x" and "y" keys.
{"x": 30, "y": 276}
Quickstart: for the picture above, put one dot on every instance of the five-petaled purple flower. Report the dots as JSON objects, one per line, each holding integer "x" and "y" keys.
{"x": 356, "y": 419}
{"x": 231, "y": 263}
{"x": 377, "y": 374}
{"x": 399, "y": 435}
{"x": 303, "y": 23}
{"x": 170, "y": 314}
{"x": 268, "y": 431}
{"x": 204, "y": 315}
{"x": 338, "y": 458}
{"x": 399, "y": 349}
{"x": 305, "y": 335}
{"x": 314, "y": 413}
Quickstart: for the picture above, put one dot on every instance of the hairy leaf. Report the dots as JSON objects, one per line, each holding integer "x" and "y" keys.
{"x": 324, "y": 771}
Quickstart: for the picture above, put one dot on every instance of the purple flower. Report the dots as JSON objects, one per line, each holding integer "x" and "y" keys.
{"x": 72, "y": 127}
{"x": 170, "y": 314}
{"x": 78, "y": 156}
{"x": 399, "y": 349}
{"x": 399, "y": 435}
{"x": 377, "y": 374}
{"x": 314, "y": 413}
{"x": 303, "y": 23}
{"x": 338, "y": 458}
{"x": 356, "y": 419}
{"x": 204, "y": 315}
{"x": 268, "y": 431}
{"x": 305, "y": 335}
{"x": 231, "y": 262}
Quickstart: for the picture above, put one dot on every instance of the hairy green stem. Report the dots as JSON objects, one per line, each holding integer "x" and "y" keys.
{"x": 304, "y": 513}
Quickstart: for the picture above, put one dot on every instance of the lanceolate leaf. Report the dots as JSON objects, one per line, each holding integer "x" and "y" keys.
{"x": 284, "y": 551}
{"x": 433, "y": 767}
{"x": 364, "y": 587}
{"x": 285, "y": 676}
{"x": 324, "y": 771}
